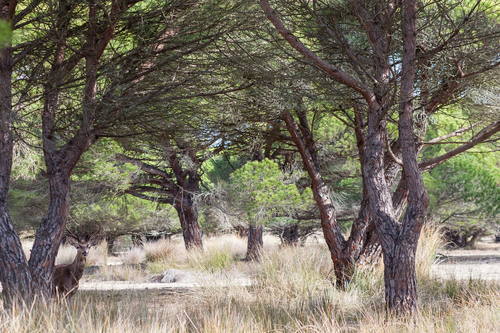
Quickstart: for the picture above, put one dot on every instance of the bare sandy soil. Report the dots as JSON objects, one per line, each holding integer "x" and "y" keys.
{"x": 125, "y": 285}
{"x": 480, "y": 263}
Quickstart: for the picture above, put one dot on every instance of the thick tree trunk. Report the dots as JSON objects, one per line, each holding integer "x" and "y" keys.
{"x": 48, "y": 236}
{"x": 187, "y": 184}
{"x": 14, "y": 271}
{"x": 188, "y": 217}
{"x": 255, "y": 242}
{"x": 15, "y": 275}
{"x": 400, "y": 279}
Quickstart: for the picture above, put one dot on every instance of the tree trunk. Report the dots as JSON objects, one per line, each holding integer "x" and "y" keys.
{"x": 302, "y": 138}
{"x": 14, "y": 271}
{"x": 49, "y": 234}
{"x": 110, "y": 241}
{"x": 255, "y": 242}
{"x": 400, "y": 279}
{"x": 188, "y": 217}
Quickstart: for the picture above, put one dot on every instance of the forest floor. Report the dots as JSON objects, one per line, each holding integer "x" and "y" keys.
{"x": 289, "y": 290}
{"x": 481, "y": 263}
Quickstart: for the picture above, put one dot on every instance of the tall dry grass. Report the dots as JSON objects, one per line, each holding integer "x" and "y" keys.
{"x": 292, "y": 293}
{"x": 247, "y": 310}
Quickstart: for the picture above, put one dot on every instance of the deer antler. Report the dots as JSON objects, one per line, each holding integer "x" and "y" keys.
{"x": 96, "y": 236}
{"x": 71, "y": 234}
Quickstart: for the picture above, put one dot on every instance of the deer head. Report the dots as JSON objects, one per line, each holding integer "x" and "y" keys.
{"x": 83, "y": 243}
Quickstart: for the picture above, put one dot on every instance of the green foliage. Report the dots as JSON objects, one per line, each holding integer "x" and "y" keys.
{"x": 260, "y": 190}
{"x": 219, "y": 168}
{"x": 98, "y": 198}
{"x": 465, "y": 194}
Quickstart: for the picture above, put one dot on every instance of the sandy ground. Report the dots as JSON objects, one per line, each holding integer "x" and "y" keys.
{"x": 481, "y": 263}
{"x": 124, "y": 285}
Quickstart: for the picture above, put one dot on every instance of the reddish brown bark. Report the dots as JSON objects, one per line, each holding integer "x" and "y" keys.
{"x": 187, "y": 185}
{"x": 400, "y": 276}
{"x": 255, "y": 242}
{"x": 188, "y": 217}
{"x": 344, "y": 254}
{"x": 14, "y": 271}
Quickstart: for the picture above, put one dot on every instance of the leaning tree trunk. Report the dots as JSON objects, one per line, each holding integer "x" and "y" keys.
{"x": 255, "y": 242}
{"x": 302, "y": 138}
{"x": 188, "y": 217}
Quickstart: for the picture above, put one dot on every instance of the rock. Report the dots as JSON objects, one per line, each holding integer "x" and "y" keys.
{"x": 177, "y": 275}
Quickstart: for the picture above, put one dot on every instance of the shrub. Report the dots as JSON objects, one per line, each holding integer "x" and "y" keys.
{"x": 161, "y": 250}
{"x": 213, "y": 260}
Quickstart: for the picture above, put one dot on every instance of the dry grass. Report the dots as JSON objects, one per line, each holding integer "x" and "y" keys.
{"x": 428, "y": 245}
{"x": 293, "y": 293}
{"x": 119, "y": 273}
{"x": 219, "y": 254}
{"x": 98, "y": 255}
{"x": 134, "y": 256}
{"x": 263, "y": 309}
{"x": 162, "y": 250}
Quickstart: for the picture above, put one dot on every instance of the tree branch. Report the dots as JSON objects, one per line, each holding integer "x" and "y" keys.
{"x": 335, "y": 73}
{"x": 483, "y": 135}
{"x": 144, "y": 166}
{"x": 449, "y": 135}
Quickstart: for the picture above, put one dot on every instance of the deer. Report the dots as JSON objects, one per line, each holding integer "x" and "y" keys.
{"x": 67, "y": 277}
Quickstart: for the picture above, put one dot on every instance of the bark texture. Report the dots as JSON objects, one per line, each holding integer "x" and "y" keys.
{"x": 188, "y": 217}
{"x": 14, "y": 271}
{"x": 255, "y": 242}
{"x": 344, "y": 254}
{"x": 186, "y": 187}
